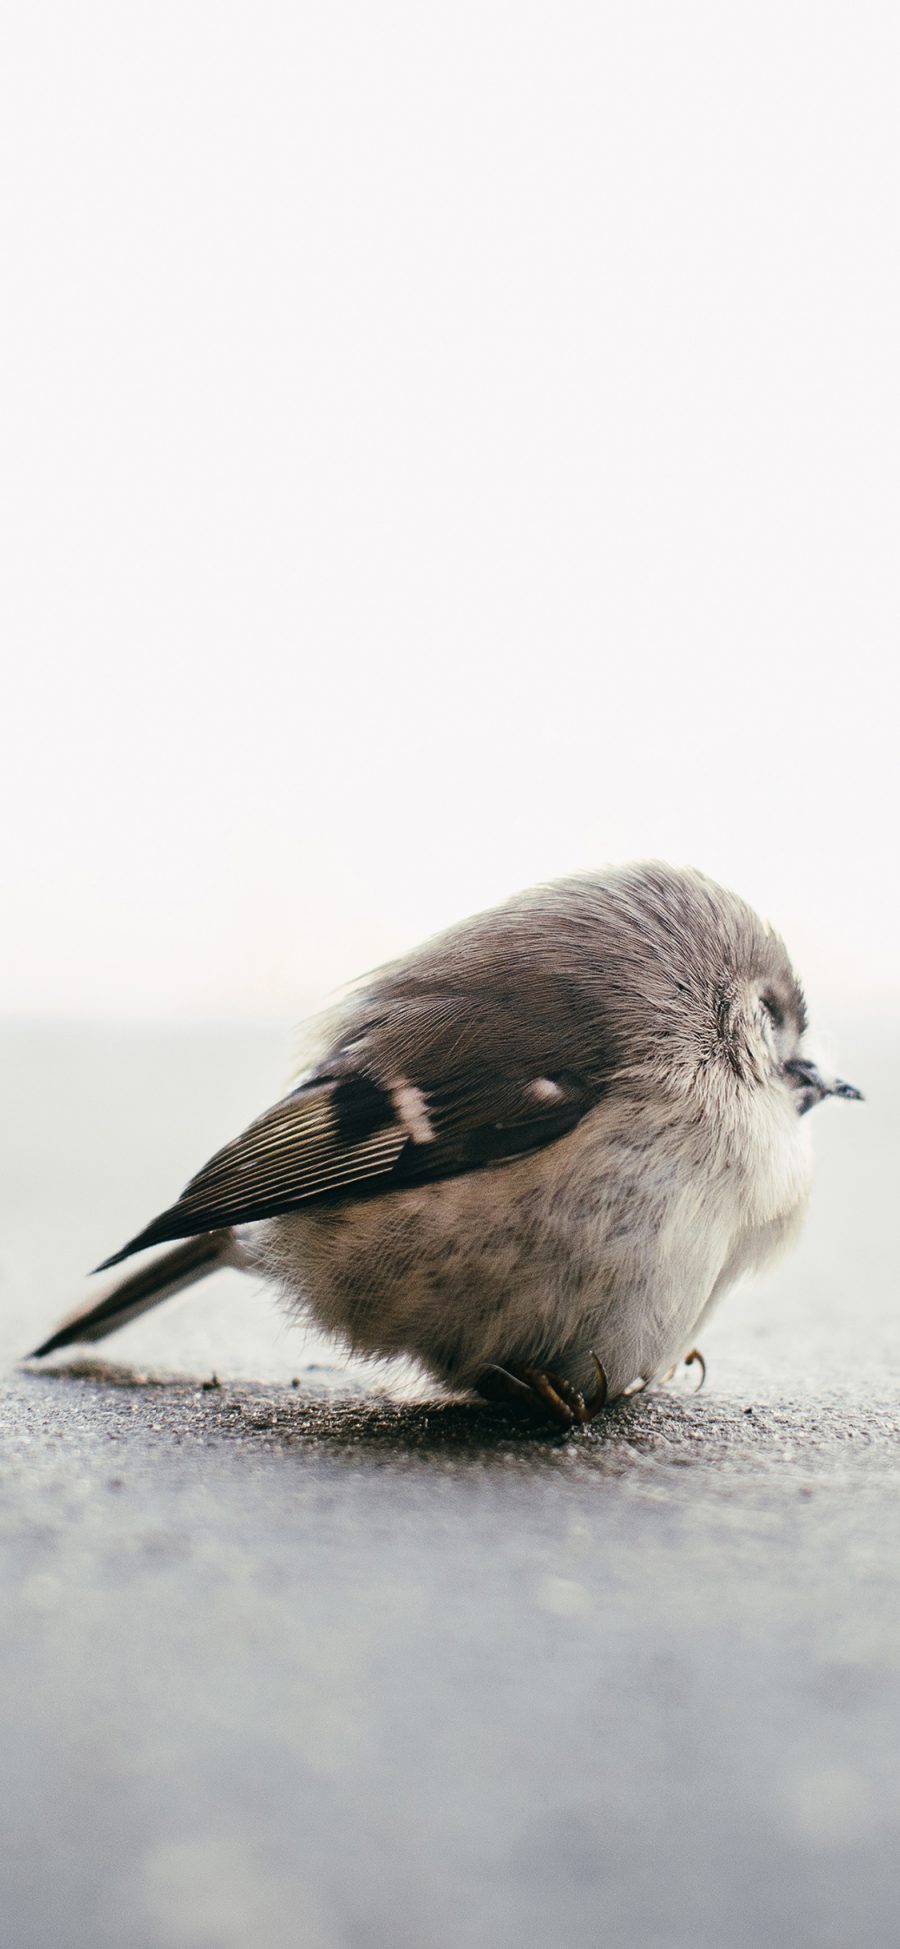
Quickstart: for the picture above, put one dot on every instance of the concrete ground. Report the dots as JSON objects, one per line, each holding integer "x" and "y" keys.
{"x": 335, "y": 1667}
{"x": 335, "y": 1672}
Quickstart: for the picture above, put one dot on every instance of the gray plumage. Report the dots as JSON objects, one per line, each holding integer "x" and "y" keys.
{"x": 557, "y": 1132}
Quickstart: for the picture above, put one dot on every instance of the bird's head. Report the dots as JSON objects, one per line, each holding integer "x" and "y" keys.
{"x": 775, "y": 1027}
{"x": 711, "y": 991}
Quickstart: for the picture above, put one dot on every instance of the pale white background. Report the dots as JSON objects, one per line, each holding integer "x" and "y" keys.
{"x": 443, "y": 445}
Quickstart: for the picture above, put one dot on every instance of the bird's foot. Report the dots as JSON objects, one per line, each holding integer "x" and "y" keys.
{"x": 695, "y": 1359}
{"x": 546, "y": 1394}
{"x": 692, "y": 1359}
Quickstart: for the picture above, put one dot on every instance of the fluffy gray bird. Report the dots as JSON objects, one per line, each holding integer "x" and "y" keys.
{"x": 533, "y": 1155}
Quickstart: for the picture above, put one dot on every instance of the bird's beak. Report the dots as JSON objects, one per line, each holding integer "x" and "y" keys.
{"x": 837, "y": 1088}
{"x": 812, "y": 1087}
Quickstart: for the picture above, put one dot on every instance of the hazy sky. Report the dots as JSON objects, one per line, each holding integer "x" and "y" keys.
{"x": 443, "y": 445}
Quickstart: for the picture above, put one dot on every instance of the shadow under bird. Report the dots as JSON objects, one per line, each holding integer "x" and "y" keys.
{"x": 532, "y": 1155}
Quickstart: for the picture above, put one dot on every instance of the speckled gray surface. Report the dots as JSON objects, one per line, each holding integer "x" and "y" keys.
{"x": 331, "y": 1665}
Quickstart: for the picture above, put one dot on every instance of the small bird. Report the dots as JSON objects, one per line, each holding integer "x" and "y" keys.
{"x": 532, "y": 1155}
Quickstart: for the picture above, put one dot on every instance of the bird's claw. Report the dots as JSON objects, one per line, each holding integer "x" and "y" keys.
{"x": 643, "y": 1381}
{"x": 600, "y": 1395}
{"x": 695, "y": 1359}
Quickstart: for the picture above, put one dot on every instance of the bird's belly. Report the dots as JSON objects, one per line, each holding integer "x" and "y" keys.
{"x": 598, "y": 1244}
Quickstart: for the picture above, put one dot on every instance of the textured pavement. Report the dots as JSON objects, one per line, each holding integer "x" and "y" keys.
{"x": 344, "y": 1673}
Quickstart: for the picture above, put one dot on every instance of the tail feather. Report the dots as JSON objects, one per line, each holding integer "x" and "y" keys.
{"x": 140, "y": 1291}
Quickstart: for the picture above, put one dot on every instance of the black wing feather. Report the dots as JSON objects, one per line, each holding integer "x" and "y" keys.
{"x": 343, "y": 1133}
{"x": 303, "y": 1148}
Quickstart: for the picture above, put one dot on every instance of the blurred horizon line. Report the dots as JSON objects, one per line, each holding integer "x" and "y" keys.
{"x": 879, "y": 1006}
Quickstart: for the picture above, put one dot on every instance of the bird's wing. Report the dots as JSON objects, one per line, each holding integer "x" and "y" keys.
{"x": 426, "y": 1090}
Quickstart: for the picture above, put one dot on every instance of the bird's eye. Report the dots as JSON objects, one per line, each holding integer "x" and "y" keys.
{"x": 774, "y": 1012}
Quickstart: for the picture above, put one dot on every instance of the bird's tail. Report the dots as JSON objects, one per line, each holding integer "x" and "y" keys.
{"x": 135, "y": 1294}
